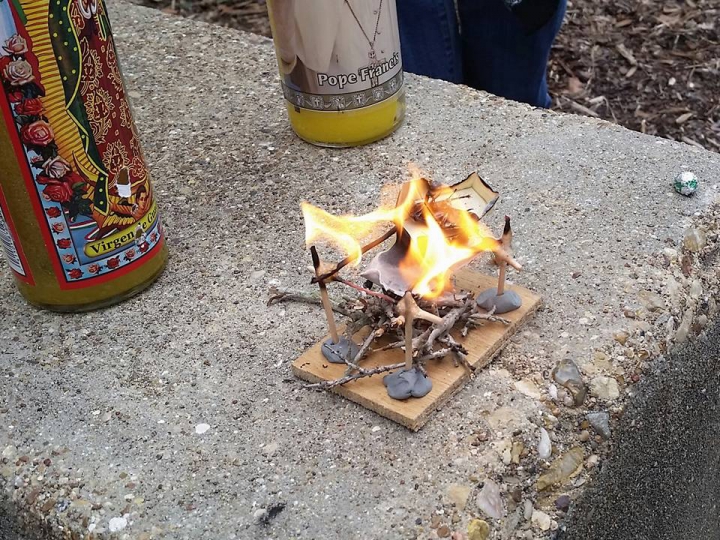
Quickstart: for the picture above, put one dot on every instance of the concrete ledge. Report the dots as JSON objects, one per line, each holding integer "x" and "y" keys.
{"x": 99, "y": 413}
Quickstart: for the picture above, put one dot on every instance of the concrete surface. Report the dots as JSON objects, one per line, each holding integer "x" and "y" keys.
{"x": 99, "y": 411}
{"x": 662, "y": 481}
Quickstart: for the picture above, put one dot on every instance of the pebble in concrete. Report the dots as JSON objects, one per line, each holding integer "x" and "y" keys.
{"x": 605, "y": 388}
{"x": 600, "y": 421}
{"x": 567, "y": 374}
{"x": 490, "y": 501}
{"x": 478, "y": 529}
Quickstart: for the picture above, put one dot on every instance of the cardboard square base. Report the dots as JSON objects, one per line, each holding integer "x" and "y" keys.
{"x": 483, "y": 344}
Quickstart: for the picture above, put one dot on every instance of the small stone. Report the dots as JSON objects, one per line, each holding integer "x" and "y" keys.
{"x": 567, "y": 374}
{"x": 685, "y": 183}
{"x": 562, "y": 503}
{"x": 443, "y": 531}
{"x": 605, "y": 388}
{"x": 563, "y": 468}
{"x": 696, "y": 289}
{"x": 9, "y": 452}
{"x": 32, "y": 497}
{"x": 601, "y": 362}
{"x": 652, "y": 301}
{"x": 600, "y": 421}
{"x": 540, "y": 520}
{"x": 375, "y": 429}
{"x": 478, "y": 529}
{"x": 505, "y": 450}
{"x": 516, "y": 495}
{"x": 674, "y": 290}
{"x": 256, "y": 275}
{"x": 584, "y": 436}
{"x": 683, "y": 330}
{"x": 592, "y": 461}
{"x": 516, "y": 452}
{"x": 544, "y": 444}
{"x": 702, "y": 321}
{"x": 201, "y": 428}
{"x": 270, "y": 448}
{"x": 670, "y": 254}
{"x": 117, "y": 524}
{"x": 435, "y": 521}
{"x": 458, "y": 495}
{"x": 694, "y": 240}
{"x": 528, "y": 387}
{"x": 712, "y": 307}
{"x": 527, "y": 509}
{"x": 260, "y": 515}
{"x": 489, "y": 501}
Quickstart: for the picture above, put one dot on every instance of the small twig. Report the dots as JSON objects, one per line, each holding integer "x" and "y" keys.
{"x": 476, "y": 317}
{"x": 448, "y": 322}
{"x": 418, "y": 342}
{"x": 327, "y": 385}
{"x": 324, "y": 298}
{"x": 433, "y": 355}
{"x": 288, "y": 295}
{"x": 347, "y": 260}
{"x": 459, "y": 352}
{"x": 365, "y": 291}
{"x": 354, "y": 363}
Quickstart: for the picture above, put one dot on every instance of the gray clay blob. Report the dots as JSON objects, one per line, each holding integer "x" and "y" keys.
{"x": 407, "y": 383}
{"x": 338, "y": 352}
{"x": 506, "y": 302}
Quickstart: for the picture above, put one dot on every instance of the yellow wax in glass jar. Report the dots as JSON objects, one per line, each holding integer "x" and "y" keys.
{"x": 349, "y": 128}
{"x": 340, "y": 68}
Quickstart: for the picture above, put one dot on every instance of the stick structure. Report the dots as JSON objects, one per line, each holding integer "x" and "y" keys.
{"x": 501, "y": 279}
{"x": 347, "y": 260}
{"x": 325, "y": 298}
{"x": 409, "y": 320}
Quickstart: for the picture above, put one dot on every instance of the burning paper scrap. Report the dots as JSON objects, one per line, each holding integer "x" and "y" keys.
{"x": 437, "y": 229}
{"x": 441, "y": 236}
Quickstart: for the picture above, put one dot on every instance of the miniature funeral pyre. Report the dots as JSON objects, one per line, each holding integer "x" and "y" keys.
{"x": 408, "y": 294}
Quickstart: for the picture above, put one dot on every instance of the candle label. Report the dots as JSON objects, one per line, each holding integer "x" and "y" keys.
{"x": 10, "y": 244}
{"x": 339, "y": 54}
{"x": 72, "y": 130}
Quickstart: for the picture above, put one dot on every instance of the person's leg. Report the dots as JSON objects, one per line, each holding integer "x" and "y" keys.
{"x": 500, "y": 56}
{"x": 430, "y": 39}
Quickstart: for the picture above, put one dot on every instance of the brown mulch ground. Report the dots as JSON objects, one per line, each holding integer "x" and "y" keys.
{"x": 651, "y": 66}
{"x": 648, "y": 65}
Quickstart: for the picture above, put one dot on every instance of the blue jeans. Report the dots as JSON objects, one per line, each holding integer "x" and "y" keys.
{"x": 494, "y": 53}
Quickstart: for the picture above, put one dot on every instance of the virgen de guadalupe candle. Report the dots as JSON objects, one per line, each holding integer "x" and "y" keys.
{"x": 78, "y": 217}
{"x": 340, "y": 68}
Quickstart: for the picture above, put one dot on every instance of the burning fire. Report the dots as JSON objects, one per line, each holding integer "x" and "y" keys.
{"x": 442, "y": 234}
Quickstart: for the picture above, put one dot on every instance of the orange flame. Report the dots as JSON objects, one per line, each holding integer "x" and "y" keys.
{"x": 442, "y": 237}
{"x": 345, "y": 232}
{"x": 444, "y": 240}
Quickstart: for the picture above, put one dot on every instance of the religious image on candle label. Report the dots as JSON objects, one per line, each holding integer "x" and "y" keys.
{"x": 337, "y": 54}
{"x": 61, "y": 87}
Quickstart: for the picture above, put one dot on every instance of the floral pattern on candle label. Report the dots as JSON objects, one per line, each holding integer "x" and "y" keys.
{"x": 74, "y": 123}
